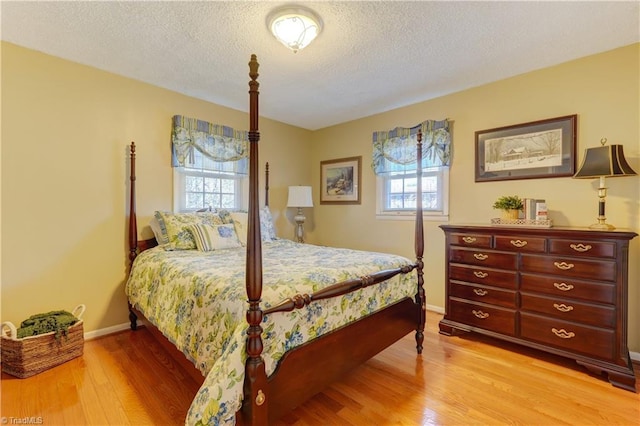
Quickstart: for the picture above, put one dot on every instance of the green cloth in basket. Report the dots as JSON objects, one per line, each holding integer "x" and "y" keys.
{"x": 56, "y": 321}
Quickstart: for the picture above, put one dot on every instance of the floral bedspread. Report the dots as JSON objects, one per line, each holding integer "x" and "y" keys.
{"x": 198, "y": 300}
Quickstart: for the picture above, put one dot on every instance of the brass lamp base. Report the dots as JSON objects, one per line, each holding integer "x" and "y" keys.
{"x": 602, "y": 221}
{"x": 602, "y": 226}
{"x": 602, "y": 193}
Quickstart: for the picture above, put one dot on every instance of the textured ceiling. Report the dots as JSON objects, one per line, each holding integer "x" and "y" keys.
{"x": 371, "y": 56}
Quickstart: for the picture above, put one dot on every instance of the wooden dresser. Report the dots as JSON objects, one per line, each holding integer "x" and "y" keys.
{"x": 560, "y": 290}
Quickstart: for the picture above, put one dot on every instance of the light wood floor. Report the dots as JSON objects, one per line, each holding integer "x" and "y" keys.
{"x": 128, "y": 379}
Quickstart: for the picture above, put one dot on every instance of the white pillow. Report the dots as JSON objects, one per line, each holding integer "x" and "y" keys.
{"x": 214, "y": 237}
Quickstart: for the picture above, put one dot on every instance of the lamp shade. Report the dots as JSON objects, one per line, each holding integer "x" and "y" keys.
{"x": 605, "y": 160}
{"x": 294, "y": 27}
{"x": 300, "y": 196}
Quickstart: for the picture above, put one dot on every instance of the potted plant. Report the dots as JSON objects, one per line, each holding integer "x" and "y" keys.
{"x": 510, "y": 206}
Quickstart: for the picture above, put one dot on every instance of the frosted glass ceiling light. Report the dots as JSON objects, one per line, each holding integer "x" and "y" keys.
{"x": 295, "y": 27}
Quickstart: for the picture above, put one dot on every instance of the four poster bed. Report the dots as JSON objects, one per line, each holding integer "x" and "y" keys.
{"x": 313, "y": 312}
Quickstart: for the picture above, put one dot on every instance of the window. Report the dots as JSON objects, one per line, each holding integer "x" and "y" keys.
{"x": 397, "y": 194}
{"x": 395, "y": 160}
{"x": 210, "y": 166}
{"x": 208, "y": 184}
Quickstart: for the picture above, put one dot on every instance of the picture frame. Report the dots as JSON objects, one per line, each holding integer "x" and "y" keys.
{"x": 534, "y": 150}
{"x": 340, "y": 181}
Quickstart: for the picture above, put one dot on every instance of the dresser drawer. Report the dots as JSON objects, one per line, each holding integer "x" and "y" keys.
{"x": 486, "y": 276}
{"x": 491, "y": 318}
{"x": 571, "y": 288}
{"x": 593, "y": 341}
{"x": 486, "y": 258}
{"x": 470, "y": 240}
{"x": 570, "y": 267}
{"x": 596, "y": 249}
{"x": 483, "y": 294}
{"x": 522, "y": 244}
{"x": 569, "y": 310}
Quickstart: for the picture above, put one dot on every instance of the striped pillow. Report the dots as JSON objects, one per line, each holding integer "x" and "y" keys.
{"x": 214, "y": 237}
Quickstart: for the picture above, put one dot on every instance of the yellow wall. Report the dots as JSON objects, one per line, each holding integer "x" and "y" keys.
{"x": 65, "y": 135}
{"x": 604, "y": 91}
{"x": 66, "y": 127}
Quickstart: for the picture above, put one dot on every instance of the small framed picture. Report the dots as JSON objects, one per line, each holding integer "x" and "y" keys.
{"x": 340, "y": 181}
{"x": 540, "y": 149}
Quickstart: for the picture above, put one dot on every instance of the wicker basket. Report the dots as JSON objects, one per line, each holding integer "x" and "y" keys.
{"x": 34, "y": 354}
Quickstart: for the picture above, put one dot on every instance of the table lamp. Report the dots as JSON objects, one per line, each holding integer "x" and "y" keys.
{"x": 299, "y": 197}
{"x": 601, "y": 162}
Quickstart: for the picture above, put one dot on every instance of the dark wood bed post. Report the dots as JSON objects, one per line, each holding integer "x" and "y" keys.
{"x": 266, "y": 184}
{"x": 133, "y": 227}
{"x": 254, "y": 406}
{"x": 419, "y": 241}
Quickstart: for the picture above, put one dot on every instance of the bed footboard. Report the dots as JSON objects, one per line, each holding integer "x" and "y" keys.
{"x": 299, "y": 301}
{"x": 310, "y": 368}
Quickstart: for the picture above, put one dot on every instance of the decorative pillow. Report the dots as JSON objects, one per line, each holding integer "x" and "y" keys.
{"x": 225, "y": 215}
{"x": 214, "y": 237}
{"x": 175, "y": 226}
{"x": 240, "y": 222}
{"x": 161, "y": 237}
{"x": 266, "y": 225}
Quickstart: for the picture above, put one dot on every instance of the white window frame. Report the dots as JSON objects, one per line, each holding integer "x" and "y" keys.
{"x": 382, "y": 185}
{"x": 204, "y": 168}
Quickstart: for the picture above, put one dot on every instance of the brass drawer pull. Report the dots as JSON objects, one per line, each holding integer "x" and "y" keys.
{"x": 580, "y": 247}
{"x": 563, "y": 286}
{"x": 564, "y": 265}
{"x": 562, "y": 307}
{"x": 480, "y": 274}
{"x": 563, "y": 334}
{"x": 518, "y": 243}
{"x": 260, "y": 398}
{"x": 480, "y": 292}
{"x": 481, "y": 256}
{"x": 480, "y": 314}
{"x": 469, "y": 240}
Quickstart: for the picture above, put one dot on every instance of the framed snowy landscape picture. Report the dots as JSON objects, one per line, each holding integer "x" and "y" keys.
{"x": 539, "y": 149}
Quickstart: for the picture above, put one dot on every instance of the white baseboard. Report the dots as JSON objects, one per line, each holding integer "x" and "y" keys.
{"x": 436, "y": 309}
{"x": 126, "y": 326}
{"x": 105, "y": 331}
{"x": 635, "y": 356}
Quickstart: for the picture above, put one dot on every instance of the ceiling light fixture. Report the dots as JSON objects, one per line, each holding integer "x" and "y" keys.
{"x": 295, "y": 27}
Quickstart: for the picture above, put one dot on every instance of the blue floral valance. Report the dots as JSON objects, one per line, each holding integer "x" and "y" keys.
{"x": 215, "y": 142}
{"x": 395, "y": 150}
